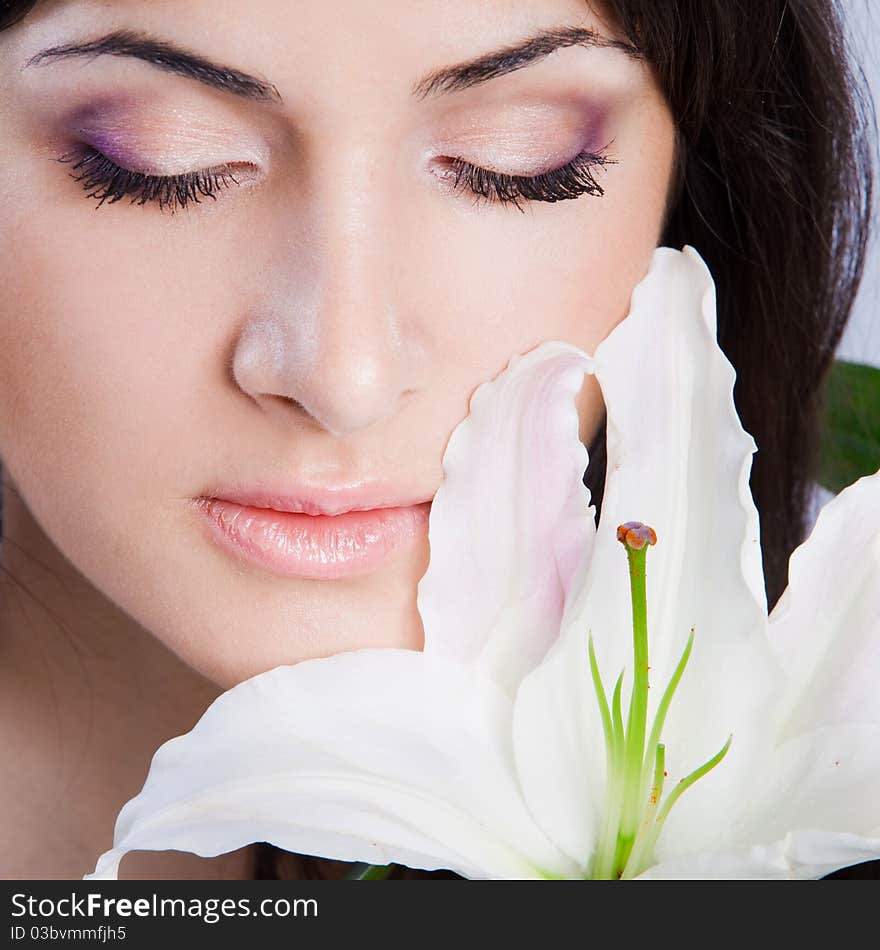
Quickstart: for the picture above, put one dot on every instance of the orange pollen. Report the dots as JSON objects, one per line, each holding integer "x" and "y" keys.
{"x": 635, "y": 535}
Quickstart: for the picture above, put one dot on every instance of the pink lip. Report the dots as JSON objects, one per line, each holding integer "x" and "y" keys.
{"x": 318, "y": 535}
{"x": 322, "y": 500}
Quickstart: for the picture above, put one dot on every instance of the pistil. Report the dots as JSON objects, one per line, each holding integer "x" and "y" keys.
{"x": 635, "y": 773}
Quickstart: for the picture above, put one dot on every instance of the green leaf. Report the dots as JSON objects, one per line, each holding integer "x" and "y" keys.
{"x": 851, "y": 425}
{"x": 369, "y": 872}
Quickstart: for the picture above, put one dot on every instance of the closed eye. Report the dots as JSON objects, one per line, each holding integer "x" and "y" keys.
{"x": 105, "y": 180}
{"x": 561, "y": 184}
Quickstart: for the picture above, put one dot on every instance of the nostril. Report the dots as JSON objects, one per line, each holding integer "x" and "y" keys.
{"x": 290, "y": 401}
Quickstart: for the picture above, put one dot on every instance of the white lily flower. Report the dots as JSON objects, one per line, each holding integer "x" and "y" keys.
{"x": 496, "y": 752}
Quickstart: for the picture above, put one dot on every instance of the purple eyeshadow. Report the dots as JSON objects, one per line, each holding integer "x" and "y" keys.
{"x": 103, "y": 126}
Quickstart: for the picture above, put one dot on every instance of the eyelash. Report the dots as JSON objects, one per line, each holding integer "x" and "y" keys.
{"x": 105, "y": 180}
{"x": 561, "y": 184}
{"x": 112, "y": 182}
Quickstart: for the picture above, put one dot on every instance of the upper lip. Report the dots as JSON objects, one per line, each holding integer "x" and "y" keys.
{"x": 312, "y": 499}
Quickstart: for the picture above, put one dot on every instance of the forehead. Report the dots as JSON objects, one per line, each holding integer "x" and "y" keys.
{"x": 342, "y": 43}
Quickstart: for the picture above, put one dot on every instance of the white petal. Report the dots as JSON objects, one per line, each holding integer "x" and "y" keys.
{"x": 560, "y": 749}
{"x": 511, "y": 525}
{"x": 376, "y": 755}
{"x": 826, "y": 626}
{"x": 803, "y": 855}
{"x": 813, "y": 854}
{"x": 679, "y": 460}
{"x": 757, "y": 862}
{"x": 825, "y": 779}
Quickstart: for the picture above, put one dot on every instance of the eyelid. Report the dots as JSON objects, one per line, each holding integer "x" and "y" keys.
{"x": 114, "y": 181}
{"x": 565, "y": 182}
{"x": 524, "y": 131}
{"x": 126, "y": 131}
{"x": 111, "y": 180}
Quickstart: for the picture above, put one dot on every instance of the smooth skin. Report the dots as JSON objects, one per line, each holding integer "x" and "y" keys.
{"x": 327, "y": 318}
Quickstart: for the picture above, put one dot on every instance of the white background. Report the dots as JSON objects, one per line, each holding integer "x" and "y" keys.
{"x": 861, "y": 342}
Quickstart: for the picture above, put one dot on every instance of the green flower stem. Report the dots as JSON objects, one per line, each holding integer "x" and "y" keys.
{"x": 370, "y": 872}
{"x": 603, "y": 864}
{"x": 682, "y": 786}
{"x": 640, "y": 851}
{"x": 617, "y": 716}
{"x": 685, "y": 783}
{"x": 638, "y": 706}
{"x": 662, "y": 709}
{"x": 610, "y": 826}
{"x": 603, "y": 708}
{"x": 633, "y": 814}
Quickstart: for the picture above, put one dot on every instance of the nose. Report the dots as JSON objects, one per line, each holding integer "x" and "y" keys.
{"x": 333, "y": 346}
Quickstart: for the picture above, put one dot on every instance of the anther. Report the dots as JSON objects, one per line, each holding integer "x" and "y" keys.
{"x": 635, "y": 535}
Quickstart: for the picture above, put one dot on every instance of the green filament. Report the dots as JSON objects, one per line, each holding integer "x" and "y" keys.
{"x": 635, "y": 771}
{"x": 369, "y": 872}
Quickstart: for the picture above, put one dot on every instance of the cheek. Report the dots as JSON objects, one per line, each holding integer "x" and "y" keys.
{"x": 562, "y": 271}
{"x": 88, "y": 370}
{"x": 98, "y": 397}
{"x": 112, "y": 351}
{"x": 115, "y": 410}
{"x": 115, "y": 404}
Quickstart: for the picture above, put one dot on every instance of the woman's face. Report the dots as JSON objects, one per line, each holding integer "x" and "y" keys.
{"x": 323, "y": 321}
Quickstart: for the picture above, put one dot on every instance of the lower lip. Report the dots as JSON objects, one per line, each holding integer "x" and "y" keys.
{"x": 313, "y": 546}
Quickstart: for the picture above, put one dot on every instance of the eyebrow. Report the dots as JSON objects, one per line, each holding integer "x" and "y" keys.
{"x": 172, "y": 58}
{"x": 169, "y": 57}
{"x": 535, "y": 47}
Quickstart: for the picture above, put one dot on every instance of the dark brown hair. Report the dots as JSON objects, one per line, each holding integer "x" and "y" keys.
{"x": 777, "y": 139}
{"x": 775, "y": 136}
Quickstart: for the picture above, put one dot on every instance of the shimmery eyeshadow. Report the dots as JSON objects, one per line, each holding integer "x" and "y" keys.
{"x": 104, "y": 125}
{"x": 116, "y": 144}
{"x": 161, "y": 140}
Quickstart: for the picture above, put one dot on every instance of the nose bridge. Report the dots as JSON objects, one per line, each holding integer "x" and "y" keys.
{"x": 357, "y": 344}
{"x": 349, "y": 360}
{"x": 354, "y": 244}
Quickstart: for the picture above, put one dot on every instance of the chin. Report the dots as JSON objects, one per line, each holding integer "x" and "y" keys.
{"x": 245, "y": 624}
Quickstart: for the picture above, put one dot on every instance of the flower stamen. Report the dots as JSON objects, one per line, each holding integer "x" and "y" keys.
{"x": 634, "y": 814}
